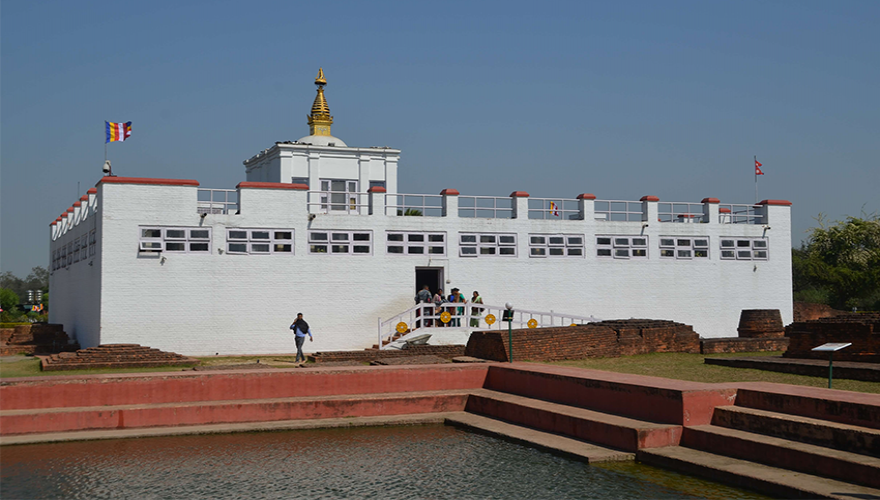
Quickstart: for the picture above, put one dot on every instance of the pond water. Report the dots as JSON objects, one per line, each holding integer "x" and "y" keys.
{"x": 431, "y": 461}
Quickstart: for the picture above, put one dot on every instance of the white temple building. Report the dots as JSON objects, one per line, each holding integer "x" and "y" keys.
{"x": 319, "y": 227}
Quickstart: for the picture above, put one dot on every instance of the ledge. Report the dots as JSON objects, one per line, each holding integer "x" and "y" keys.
{"x": 723, "y": 210}
{"x": 92, "y": 191}
{"x": 586, "y": 196}
{"x": 84, "y": 197}
{"x": 710, "y": 200}
{"x": 781, "y": 203}
{"x": 649, "y": 198}
{"x": 271, "y": 185}
{"x": 77, "y": 204}
{"x": 450, "y": 192}
{"x": 377, "y": 189}
{"x": 519, "y": 194}
{"x": 147, "y": 181}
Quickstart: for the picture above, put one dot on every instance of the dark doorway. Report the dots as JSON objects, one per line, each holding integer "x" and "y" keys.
{"x": 431, "y": 276}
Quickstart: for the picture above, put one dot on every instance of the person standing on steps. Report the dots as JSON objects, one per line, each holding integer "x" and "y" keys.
{"x": 423, "y": 297}
{"x": 300, "y": 330}
{"x": 476, "y": 312}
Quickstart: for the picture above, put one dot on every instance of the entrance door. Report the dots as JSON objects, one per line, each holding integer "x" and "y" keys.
{"x": 431, "y": 276}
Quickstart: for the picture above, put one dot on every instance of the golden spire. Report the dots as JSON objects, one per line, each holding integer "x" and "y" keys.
{"x": 320, "y": 119}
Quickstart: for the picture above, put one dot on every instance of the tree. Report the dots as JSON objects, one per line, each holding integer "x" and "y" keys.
{"x": 840, "y": 264}
{"x": 8, "y": 300}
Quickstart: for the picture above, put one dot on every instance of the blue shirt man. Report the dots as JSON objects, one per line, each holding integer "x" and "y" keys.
{"x": 300, "y": 330}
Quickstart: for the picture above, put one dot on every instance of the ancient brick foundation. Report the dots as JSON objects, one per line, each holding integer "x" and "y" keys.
{"x": 862, "y": 330}
{"x": 603, "y": 339}
{"x": 759, "y": 330}
{"x": 736, "y": 344}
{"x": 114, "y": 356}
{"x": 369, "y": 355}
{"x": 806, "y": 311}
{"x": 36, "y": 338}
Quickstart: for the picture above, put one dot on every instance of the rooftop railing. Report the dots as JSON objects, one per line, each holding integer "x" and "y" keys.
{"x": 618, "y": 210}
{"x": 680, "y": 212}
{"x": 217, "y": 201}
{"x": 730, "y": 213}
{"x": 554, "y": 209}
{"x": 428, "y": 205}
{"x": 341, "y": 202}
{"x": 485, "y": 207}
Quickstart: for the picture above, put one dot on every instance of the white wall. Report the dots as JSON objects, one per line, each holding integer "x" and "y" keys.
{"x": 221, "y": 303}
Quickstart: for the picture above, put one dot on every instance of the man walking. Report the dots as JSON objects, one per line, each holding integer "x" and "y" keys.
{"x": 300, "y": 330}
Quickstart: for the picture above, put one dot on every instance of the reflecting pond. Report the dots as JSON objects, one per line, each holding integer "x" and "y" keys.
{"x": 430, "y": 461}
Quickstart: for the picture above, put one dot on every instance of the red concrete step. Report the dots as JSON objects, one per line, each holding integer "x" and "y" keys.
{"x": 786, "y": 454}
{"x": 16, "y": 422}
{"x": 780, "y": 483}
{"x": 852, "y": 408}
{"x": 842, "y": 437}
{"x": 602, "y": 428}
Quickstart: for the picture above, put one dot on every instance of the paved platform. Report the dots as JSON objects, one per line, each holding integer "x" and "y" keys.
{"x": 869, "y": 372}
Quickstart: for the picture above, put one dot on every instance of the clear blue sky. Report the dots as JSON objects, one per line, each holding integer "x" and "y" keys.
{"x": 619, "y": 99}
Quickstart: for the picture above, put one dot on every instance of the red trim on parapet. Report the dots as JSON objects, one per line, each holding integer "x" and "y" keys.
{"x": 377, "y": 189}
{"x": 84, "y": 197}
{"x": 92, "y": 191}
{"x": 271, "y": 185}
{"x": 70, "y": 210}
{"x": 146, "y": 180}
{"x": 649, "y": 198}
{"x": 724, "y": 210}
{"x": 710, "y": 200}
{"x": 782, "y": 203}
{"x": 519, "y": 194}
{"x": 586, "y": 196}
{"x": 450, "y": 192}
{"x": 77, "y": 204}
{"x": 53, "y": 223}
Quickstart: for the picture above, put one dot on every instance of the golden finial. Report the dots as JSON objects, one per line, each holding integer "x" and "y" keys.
{"x": 320, "y": 119}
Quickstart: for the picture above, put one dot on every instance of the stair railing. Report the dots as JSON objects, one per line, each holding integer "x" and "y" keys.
{"x": 425, "y": 317}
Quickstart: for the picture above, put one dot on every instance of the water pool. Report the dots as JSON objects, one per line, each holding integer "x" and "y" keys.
{"x": 430, "y": 461}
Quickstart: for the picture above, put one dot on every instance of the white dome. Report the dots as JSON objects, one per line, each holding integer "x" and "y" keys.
{"x": 322, "y": 140}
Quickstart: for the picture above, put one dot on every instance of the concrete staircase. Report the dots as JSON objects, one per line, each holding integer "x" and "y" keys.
{"x": 790, "y": 453}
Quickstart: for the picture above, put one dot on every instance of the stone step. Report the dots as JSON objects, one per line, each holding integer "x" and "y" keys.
{"x": 744, "y": 474}
{"x": 786, "y": 454}
{"x": 50, "y": 420}
{"x": 581, "y": 450}
{"x": 842, "y": 437}
{"x": 605, "y": 429}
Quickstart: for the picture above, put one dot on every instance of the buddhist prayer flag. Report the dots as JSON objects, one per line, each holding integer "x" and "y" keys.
{"x": 758, "y": 166}
{"x": 117, "y": 131}
{"x": 554, "y": 209}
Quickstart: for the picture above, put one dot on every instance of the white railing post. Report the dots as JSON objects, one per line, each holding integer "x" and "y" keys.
{"x": 520, "y": 204}
{"x": 586, "y": 206}
{"x": 450, "y": 202}
{"x": 377, "y": 200}
{"x": 649, "y": 208}
{"x": 710, "y": 210}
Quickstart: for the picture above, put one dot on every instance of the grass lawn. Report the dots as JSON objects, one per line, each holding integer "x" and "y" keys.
{"x": 683, "y": 366}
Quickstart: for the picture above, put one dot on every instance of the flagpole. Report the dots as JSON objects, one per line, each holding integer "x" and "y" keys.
{"x": 755, "y": 164}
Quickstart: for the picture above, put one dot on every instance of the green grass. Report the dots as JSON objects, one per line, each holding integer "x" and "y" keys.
{"x": 691, "y": 367}
{"x": 31, "y": 368}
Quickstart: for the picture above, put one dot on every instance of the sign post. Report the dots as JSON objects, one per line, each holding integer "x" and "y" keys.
{"x": 508, "y": 314}
{"x": 831, "y": 348}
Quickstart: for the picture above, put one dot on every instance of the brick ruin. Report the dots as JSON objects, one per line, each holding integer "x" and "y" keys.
{"x": 35, "y": 338}
{"x": 862, "y": 329}
{"x": 114, "y": 356}
{"x": 602, "y": 339}
{"x": 759, "y": 330}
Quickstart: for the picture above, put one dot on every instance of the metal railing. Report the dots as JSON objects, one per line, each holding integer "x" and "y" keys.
{"x": 423, "y": 318}
{"x": 740, "y": 214}
{"x": 554, "y": 209}
{"x": 485, "y": 207}
{"x": 680, "y": 212}
{"x": 217, "y": 201}
{"x": 338, "y": 202}
{"x": 428, "y": 205}
{"x": 618, "y": 210}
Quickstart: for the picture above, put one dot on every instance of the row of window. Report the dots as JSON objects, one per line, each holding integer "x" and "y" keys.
{"x": 80, "y": 249}
{"x": 280, "y": 241}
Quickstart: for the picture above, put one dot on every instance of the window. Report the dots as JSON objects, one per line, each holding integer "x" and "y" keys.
{"x": 93, "y": 243}
{"x": 556, "y": 245}
{"x": 487, "y": 244}
{"x": 175, "y": 239}
{"x": 63, "y": 256}
{"x": 622, "y": 247}
{"x": 339, "y": 194}
{"x": 84, "y": 247}
{"x": 259, "y": 241}
{"x": 686, "y": 248}
{"x": 744, "y": 249}
{"x": 70, "y": 253}
{"x": 402, "y": 243}
{"x": 76, "y": 250}
{"x": 341, "y": 242}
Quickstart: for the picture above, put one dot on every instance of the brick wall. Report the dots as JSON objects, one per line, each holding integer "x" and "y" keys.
{"x": 37, "y": 338}
{"x": 735, "y": 344}
{"x": 806, "y": 311}
{"x": 367, "y": 355}
{"x": 760, "y": 323}
{"x": 604, "y": 339}
{"x": 863, "y": 330}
